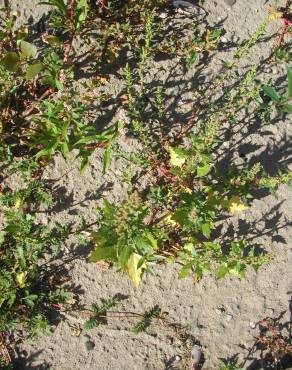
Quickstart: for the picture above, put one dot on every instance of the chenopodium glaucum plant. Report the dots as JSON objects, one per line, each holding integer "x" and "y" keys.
{"x": 125, "y": 238}
{"x": 131, "y": 236}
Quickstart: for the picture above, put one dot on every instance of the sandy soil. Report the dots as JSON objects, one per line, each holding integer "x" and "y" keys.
{"x": 220, "y": 315}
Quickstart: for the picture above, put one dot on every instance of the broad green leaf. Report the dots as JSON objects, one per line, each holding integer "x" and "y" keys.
{"x": 11, "y": 61}
{"x": 151, "y": 239}
{"x": 289, "y": 74}
{"x": 203, "y": 170}
{"x": 271, "y": 92}
{"x": 222, "y": 271}
{"x": 105, "y": 253}
{"x": 178, "y": 156}
{"x": 33, "y": 70}
{"x": 145, "y": 242}
{"x": 29, "y": 300}
{"x": 185, "y": 271}
{"x": 124, "y": 256}
{"x": 287, "y": 108}
{"x": 134, "y": 272}
{"x": 238, "y": 270}
{"x": 27, "y": 50}
{"x": 237, "y": 248}
{"x": 106, "y": 159}
{"x": 206, "y": 230}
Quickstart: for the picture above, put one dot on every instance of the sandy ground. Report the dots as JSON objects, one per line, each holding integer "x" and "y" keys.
{"x": 220, "y": 315}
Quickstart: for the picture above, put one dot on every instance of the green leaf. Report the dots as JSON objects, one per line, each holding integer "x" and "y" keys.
{"x": 185, "y": 271}
{"x": 289, "y": 74}
{"x": 33, "y": 70}
{"x": 29, "y": 300}
{"x": 65, "y": 149}
{"x": 287, "y": 108}
{"x": 178, "y": 156}
{"x": 203, "y": 170}
{"x": 27, "y": 50}
{"x": 2, "y": 237}
{"x": 124, "y": 256}
{"x": 271, "y": 92}
{"x": 84, "y": 163}
{"x": 106, "y": 159}
{"x": 237, "y": 248}
{"x": 238, "y": 270}
{"x": 11, "y": 61}
{"x": 206, "y": 230}
{"x": 222, "y": 271}
{"x": 105, "y": 253}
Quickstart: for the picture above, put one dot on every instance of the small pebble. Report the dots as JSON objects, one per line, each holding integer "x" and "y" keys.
{"x": 230, "y": 2}
{"x": 162, "y": 15}
{"x": 252, "y": 325}
{"x": 229, "y": 317}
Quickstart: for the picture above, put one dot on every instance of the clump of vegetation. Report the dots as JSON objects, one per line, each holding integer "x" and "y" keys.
{"x": 24, "y": 297}
{"x": 178, "y": 213}
{"x": 174, "y": 213}
{"x": 274, "y": 341}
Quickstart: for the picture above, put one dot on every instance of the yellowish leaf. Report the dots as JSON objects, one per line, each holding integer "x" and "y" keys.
{"x": 168, "y": 220}
{"x": 133, "y": 270}
{"x": 236, "y": 205}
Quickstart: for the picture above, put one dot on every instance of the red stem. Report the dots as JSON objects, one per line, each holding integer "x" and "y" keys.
{"x": 71, "y": 32}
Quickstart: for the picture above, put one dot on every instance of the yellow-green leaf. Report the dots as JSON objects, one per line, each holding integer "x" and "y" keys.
{"x": 21, "y": 278}
{"x": 134, "y": 272}
{"x": 177, "y": 156}
{"x": 33, "y": 70}
{"x": 28, "y": 50}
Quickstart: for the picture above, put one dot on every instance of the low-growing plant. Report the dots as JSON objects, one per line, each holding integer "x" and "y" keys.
{"x": 24, "y": 298}
{"x": 177, "y": 218}
{"x": 230, "y": 365}
{"x": 270, "y": 97}
{"x": 67, "y": 12}
{"x": 100, "y": 314}
{"x": 273, "y": 339}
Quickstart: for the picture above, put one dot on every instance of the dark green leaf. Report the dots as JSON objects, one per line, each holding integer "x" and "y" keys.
{"x": 271, "y": 92}
{"x": 11, "y": 61}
